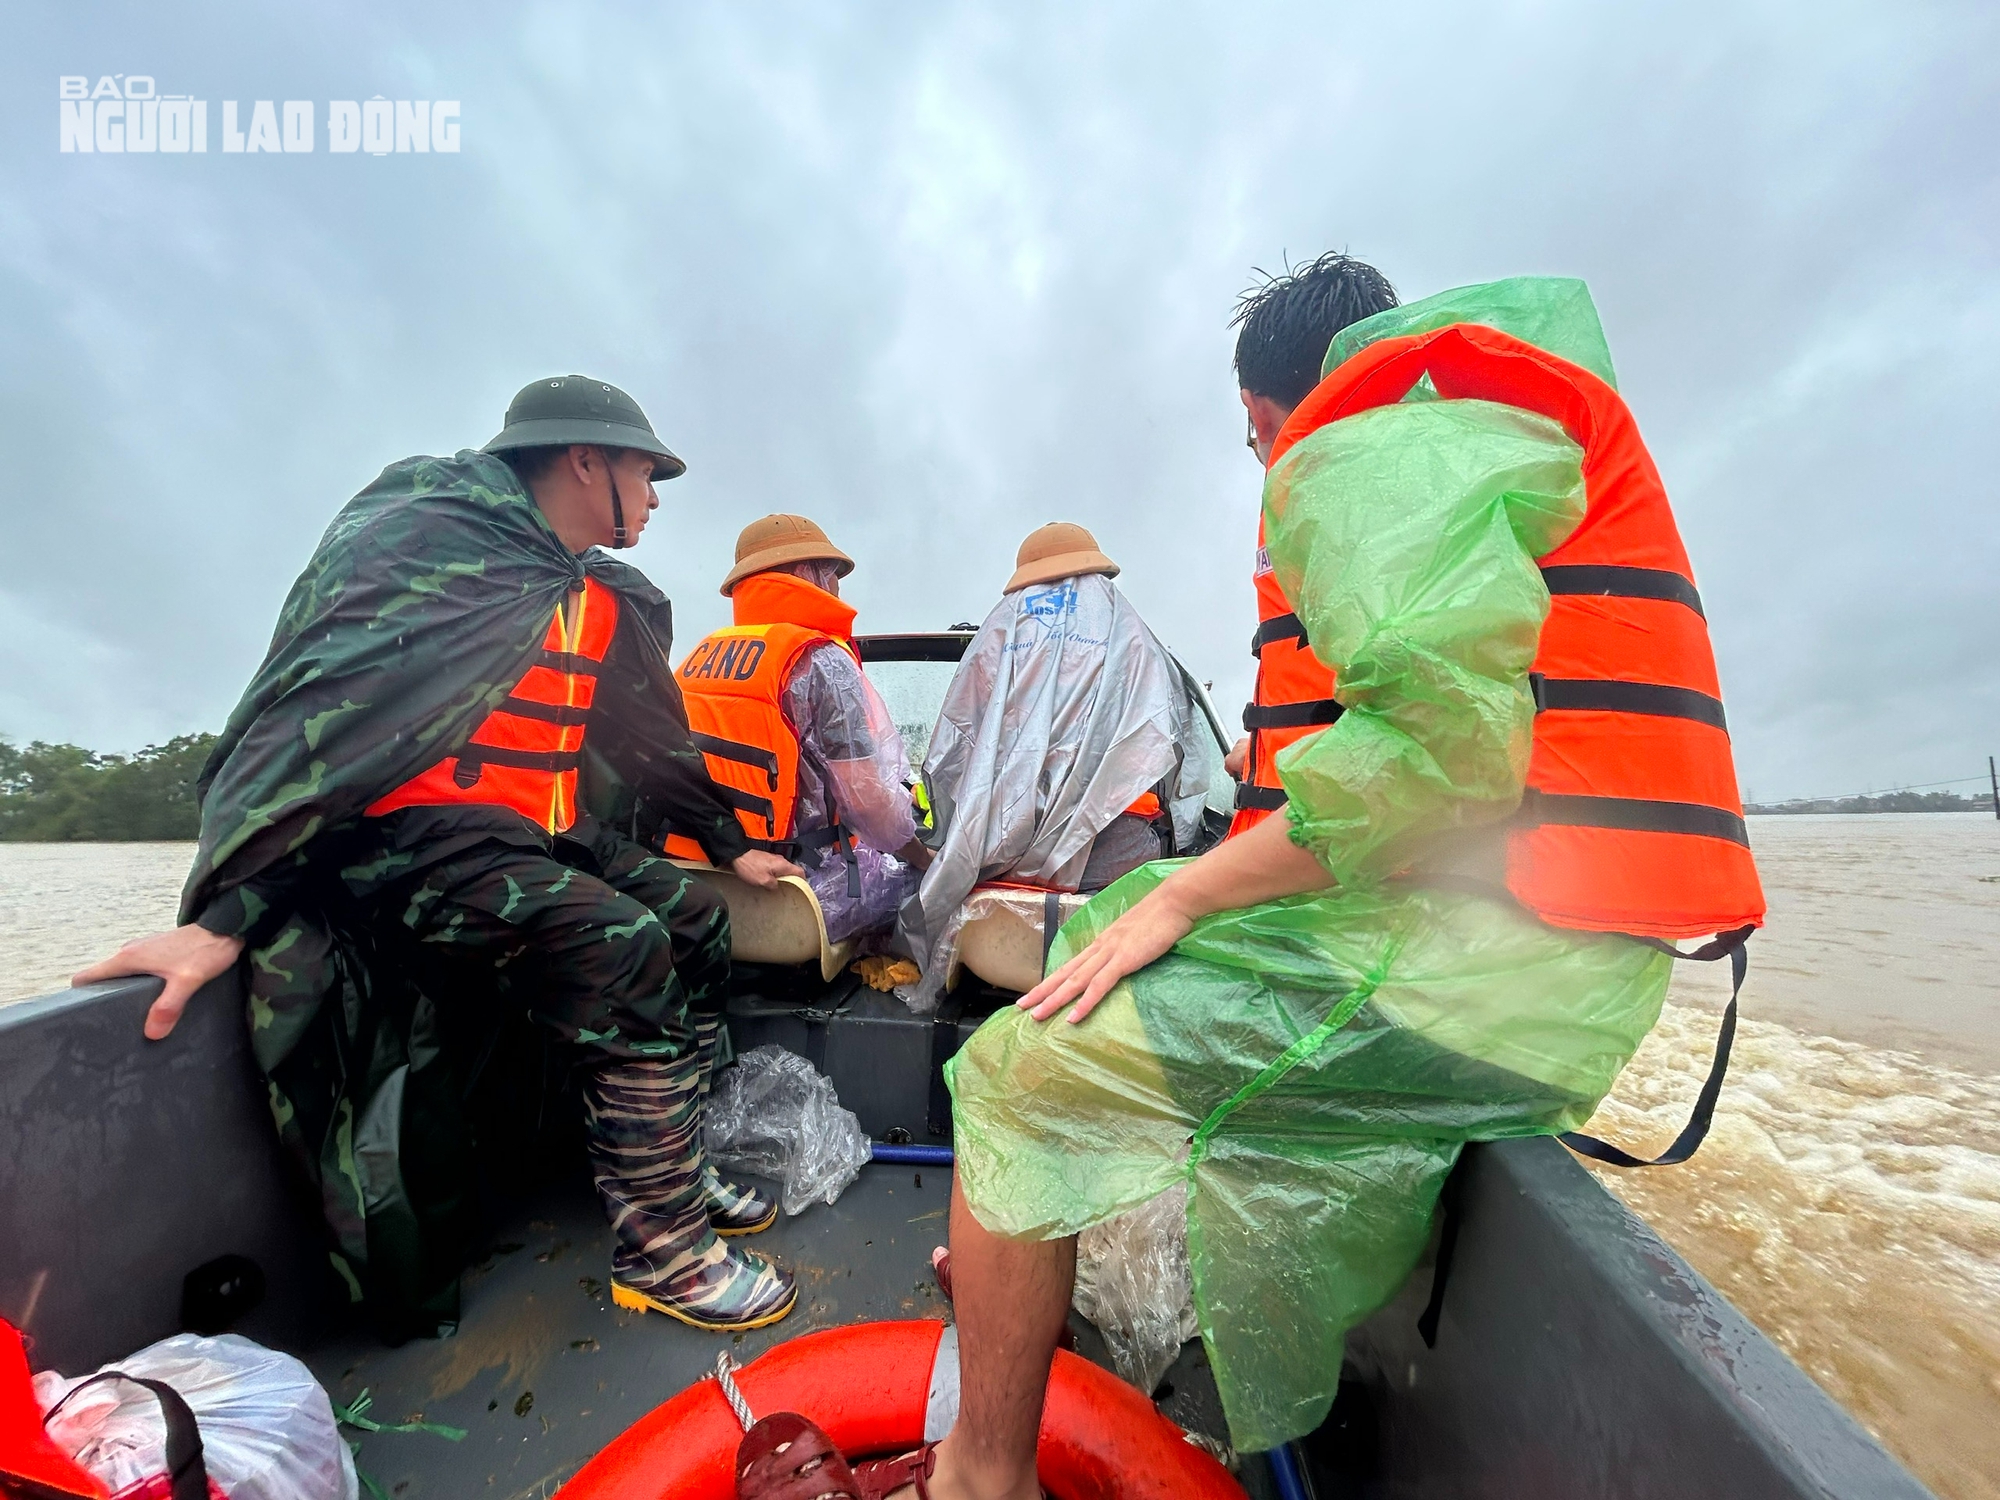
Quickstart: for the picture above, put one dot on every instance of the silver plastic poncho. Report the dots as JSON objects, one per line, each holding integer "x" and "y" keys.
{"x": 1064, "y": 712}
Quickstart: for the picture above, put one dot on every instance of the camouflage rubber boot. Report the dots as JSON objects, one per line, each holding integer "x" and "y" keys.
{"x": 733, "y": 1208}
{"x": 644, "y": 1120}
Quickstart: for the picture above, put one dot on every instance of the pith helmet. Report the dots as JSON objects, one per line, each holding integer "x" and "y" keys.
{"x": 772, "y": 541}
{"x": 577, "y": 409}
{"x": 1060, "y": 549}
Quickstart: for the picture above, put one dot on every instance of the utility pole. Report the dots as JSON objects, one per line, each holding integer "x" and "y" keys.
{"x": 1994, "y": 777}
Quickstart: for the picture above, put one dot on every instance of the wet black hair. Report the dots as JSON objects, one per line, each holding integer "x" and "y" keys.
{"x": 1288, "y": 321}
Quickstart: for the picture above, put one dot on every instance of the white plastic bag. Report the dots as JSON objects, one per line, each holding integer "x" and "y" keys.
{"x": 772, "y": 1114}
{"x": 267, "y": 1428}
{"x": 1133, "y": 1282}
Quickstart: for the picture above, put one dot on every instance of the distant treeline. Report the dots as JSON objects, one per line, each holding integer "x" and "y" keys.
{"x": 1899, "y": 802}
{"x": 51, "y": 793}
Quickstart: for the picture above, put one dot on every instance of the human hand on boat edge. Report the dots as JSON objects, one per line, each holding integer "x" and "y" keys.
{"x": 763, "y": 869}
{"x": 186, "y": 959}
{"x": 1261, "y": 865}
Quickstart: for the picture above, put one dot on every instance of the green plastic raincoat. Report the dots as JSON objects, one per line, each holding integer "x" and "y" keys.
{"x": 1311, "y": 1068}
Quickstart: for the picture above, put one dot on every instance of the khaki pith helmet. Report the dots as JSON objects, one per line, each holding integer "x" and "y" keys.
{"x": 773, "y": 541}
{"x": 1060, "y": 549}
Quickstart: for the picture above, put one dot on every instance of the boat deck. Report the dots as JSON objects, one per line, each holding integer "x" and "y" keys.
{"x": 544, "y": 1371}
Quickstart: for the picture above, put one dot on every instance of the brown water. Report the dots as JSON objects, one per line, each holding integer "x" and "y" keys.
{"x": 1848, "y": 1200}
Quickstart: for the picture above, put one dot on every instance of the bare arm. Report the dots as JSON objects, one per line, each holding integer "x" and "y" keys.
{"x": 1261, "y": 865}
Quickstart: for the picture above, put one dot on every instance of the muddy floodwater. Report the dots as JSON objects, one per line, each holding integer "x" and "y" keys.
{"x": 1848, "y": 1200}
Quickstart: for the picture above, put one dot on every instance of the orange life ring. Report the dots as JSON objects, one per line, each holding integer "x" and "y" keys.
{"x": 868, "y": 1387}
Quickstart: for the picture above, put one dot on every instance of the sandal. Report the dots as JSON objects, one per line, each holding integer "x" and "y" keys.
{"x": 941, "y": 1269}
{"x": 882, "y": 1477}
{"x": 787, "y": 1457}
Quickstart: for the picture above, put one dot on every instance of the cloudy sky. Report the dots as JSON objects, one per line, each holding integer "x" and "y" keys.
{"x": 935, "y": 274}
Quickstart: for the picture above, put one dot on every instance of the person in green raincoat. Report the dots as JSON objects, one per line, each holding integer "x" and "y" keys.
{"x": 439, "y": 805}
{"x": 1455, "y": 933}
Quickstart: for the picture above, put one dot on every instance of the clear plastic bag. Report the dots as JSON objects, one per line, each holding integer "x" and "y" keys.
{"x": 1133, "y": 1281}
{"x": 267, "y": 1428}
{"x": 774, "y": 1115}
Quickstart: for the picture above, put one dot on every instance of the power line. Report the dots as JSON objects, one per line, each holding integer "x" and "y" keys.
{"x": 1890, "y": 791}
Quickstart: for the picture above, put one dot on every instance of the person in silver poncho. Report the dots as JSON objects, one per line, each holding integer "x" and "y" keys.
{"x": 1063, "y": 752}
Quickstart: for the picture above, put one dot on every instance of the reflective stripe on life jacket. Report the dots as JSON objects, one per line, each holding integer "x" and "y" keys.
{"x": 733, "y": 683}
{"x": 1631, "y": 821}
{"x": 525, "y": 754}
{"x": 1293, "y": 699}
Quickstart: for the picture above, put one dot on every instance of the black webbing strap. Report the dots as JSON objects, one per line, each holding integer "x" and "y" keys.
{"x": 473, "y": 760}
{"x": 1262, "y": 798}
{"x": 834, "y": 837}
{"x": 1291, "y": 715}
{"x": 1618, "y": 582}
{"x": 1733, "y": 945}
{"x": 1451, "y": 1213}
{"x": 186, "y": 1468}
{"x": 569, "y": 663}
{"x": 1634, "y": 815}
{"x": 744, "y": 801}
{"x": 1605, "y": 695}
{"x": 546, "y": 713}
{"x": 748, "y": 755}
{"x": 1279, "y": 628}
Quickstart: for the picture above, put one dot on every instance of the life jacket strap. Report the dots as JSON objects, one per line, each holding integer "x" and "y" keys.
{"x": 1261, "y": 798}
{"x": 1288, "y": 627}
{"x": 1291, "y": 715}
{"x": 1617, "y": 581}
{"x": 744, "y": 801}
{"x": 1606, "y": 695}
{"x": 545, "y": 713}
{"x": 1633, "y": 815}
{"x": 1734, "y": 946}
{"x": 736, "y": 750}
{"x": 473, "y": 759}
{"x": 834, "y": 836}
{"x": 570, "y": 663}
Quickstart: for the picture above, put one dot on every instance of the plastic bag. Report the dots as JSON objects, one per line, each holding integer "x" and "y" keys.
{"x": 1133, "y": 1282}
{"x": 773, "y": 1115}
{"x": 267, "y": 1428}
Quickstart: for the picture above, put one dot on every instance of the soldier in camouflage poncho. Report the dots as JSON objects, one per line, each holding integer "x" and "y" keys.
{"x": 436, "y": 801}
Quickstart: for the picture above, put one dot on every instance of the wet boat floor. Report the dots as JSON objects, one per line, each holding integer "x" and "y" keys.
{"x": 544, "y": 1371}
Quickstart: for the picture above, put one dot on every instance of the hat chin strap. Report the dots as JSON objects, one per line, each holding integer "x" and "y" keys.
{"x": 620, "y": 537}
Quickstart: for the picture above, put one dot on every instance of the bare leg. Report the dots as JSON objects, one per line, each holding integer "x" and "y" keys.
{"x": 1010, "y": 1298}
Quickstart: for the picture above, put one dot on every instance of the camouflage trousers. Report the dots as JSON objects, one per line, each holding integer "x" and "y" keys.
{"x": 622, "y": 953}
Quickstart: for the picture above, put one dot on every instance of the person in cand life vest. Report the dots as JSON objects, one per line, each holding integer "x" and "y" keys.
{"x": 1459, "y": 929}
{"x": 796, "y": 737}
{"x": 428, "y": 815}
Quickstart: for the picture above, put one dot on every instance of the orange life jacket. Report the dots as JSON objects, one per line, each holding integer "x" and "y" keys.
{"x": 524, "y": 755}
{"x": 1631, "y": 821}
{"x": 1293, "y": 699}
{"x": 733, "y": 682}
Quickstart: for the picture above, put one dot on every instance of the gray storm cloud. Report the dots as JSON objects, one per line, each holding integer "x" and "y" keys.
{"x": 938, "y": 274}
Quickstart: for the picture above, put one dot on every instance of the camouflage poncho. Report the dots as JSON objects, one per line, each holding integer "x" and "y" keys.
{"x": 425, "y": 602}
{"x": 420, "y": 609}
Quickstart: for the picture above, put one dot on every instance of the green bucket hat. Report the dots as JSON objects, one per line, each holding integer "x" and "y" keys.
{"x": 576, "y": 409}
